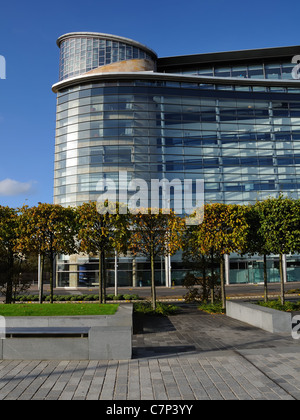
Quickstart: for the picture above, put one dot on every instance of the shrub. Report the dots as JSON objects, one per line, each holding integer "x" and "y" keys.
{"x": 276, "y": 304}
{"x": 143, "y": 307}
{"x": 118, "y": 297}
{"x": 164, "y": 309}
{"x": 293, "y": 291}
{"x": 201, "y": 288}
{"x": 212, "y": 308}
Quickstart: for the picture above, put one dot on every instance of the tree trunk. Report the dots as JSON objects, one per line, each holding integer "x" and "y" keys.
{"x": 153, "y": 291}
{"x": 41, "y": 291}
{"x": 222, "y": 281}
{"x": 51, "y": 276}
{"x": 104, "y": 277}
{"x": 9, "y": 284}
{"x": 9, "y": 290}
{"x": 281, "y": 280}
{"x": 204, "y": 283}
{"x": 100, "y": 278}
{"x": 212, "y": 289}
{"x": 265, "y": 279}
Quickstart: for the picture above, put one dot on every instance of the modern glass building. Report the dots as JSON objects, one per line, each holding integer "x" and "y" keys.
{"x": 229, "y": 118}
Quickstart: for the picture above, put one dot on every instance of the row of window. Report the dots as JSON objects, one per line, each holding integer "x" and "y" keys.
{"x": 165, "y": 101}
{"x": 173, "y": 88}
{"x": 226, "y": 187}
{"x": 144, "y": 172}
{"x": 188, "y": 163}
{"x": 168, "y": 118}
{"x": 281, "y": 147}
{"x": 255, "y": 71}
{"x": 175, "y": 112}
{"x": 184, "y": 113}
{"x": 89, "y": 181}
{"x": 197, "y": 162}
{"x": 117, "y": 132}
{"x": 151, "y": 83}
{"x": 163, "y": 152}
{"x": 70, "y": 125}
{"x": 74, "y": 140}
{"x": 233, "y": 197}
{"x": 145, "y": 94}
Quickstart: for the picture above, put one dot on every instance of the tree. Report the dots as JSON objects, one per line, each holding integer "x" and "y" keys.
{"x": 223, "y": 231}
{"x": 15, "y": 280}
{"x": 256, "y": 243}
{"x": 199, "y": 262}
{"x": 48, "y": 230}
{"x": 101, "y": 229}
{"x": 8, "y": 254}
{"x": 155, "y": 233}
{"x": 280, "y": 229}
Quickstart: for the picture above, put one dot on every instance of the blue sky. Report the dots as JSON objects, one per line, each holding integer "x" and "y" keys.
{"x": 28, "y": 33}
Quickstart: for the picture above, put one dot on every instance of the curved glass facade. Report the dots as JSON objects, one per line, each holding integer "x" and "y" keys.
{"x": 241, "y": 137}
{"x": 80, "y": 54}
{"x": 245, "y": 145}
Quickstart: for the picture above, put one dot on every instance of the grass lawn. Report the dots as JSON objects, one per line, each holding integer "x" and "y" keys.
{"x": 57, "y": 309}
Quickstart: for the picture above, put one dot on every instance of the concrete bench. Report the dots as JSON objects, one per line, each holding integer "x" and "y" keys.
{"x": 80, "y": 338}
{"x": 46, "y": 332}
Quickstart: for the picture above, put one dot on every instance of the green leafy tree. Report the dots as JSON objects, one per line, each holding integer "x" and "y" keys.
{"x": 280, "y": 228}
{"x": 256, "y": 242}
{"x": 205, "y": 264}
{"x": 223, "y": 231}
{"x": 8, "y": 254}
{"x": 48, "y": 230}
{"x": 102, "y": 229}
{"x": 19, "y": 276}
{"x": 155, "y": 233}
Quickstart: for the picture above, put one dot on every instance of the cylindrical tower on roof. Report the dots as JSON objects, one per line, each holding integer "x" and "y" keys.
{"x": 82, "y": 52}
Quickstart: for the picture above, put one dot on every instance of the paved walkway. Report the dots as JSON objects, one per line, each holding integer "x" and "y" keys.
{"x": 191, "y": 356}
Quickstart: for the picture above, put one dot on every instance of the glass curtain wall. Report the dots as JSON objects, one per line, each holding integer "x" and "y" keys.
{"x": 245, "y": 145}
{"x": 79, "y": 55}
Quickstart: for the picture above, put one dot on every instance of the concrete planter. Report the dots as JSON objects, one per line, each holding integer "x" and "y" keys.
{"x": 69, "y": 337}
{"x": 267, "y": 319}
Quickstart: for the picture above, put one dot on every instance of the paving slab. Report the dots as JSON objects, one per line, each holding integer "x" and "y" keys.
{"x": 190, "y": 356}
